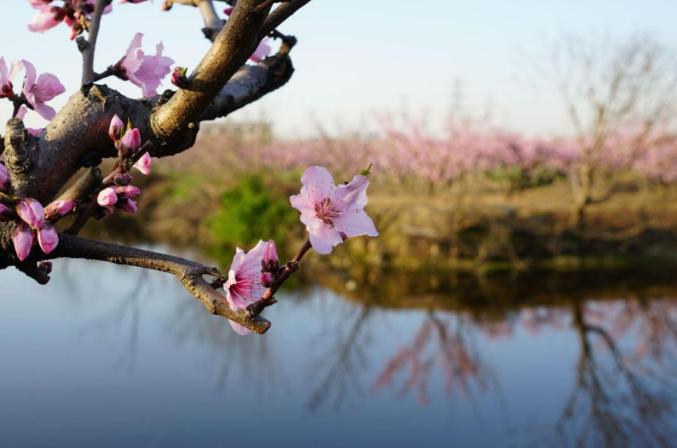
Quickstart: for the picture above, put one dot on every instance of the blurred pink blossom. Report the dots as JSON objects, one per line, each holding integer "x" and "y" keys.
{"x": 145, "y": 71}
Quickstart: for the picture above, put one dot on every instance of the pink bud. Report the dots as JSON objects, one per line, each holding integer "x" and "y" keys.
{"x": 228, "y": 11}
{"x": 22, "y": 237}
{"x": 48, "y": 238}
{"x": 4, "y": 178}
{"x": 179, "y": 76}
{"x": 107, "y": 197}
{"x": 131, "y": 141}
{"x": 116, "y": 128}
{"x": 31, "y": 212}
{"x": 270, "y": 261}
{"x": 144, "y": 164}
{"x": 128, "y": 206}
{"x": 58, "y": 208}
{"x": 127, "y": 192}
{"x": 267, "y": 279}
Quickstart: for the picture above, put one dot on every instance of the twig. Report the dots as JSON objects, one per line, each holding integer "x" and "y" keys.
{"x": 289, "y": 268}
{"x": 189, "y": 273}
{"x": 89, "y": 49}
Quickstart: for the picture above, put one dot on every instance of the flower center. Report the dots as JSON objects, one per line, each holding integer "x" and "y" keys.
{"x": 326, "y": 212}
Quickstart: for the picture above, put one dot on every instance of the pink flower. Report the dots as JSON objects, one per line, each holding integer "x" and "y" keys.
{"x": 144, "y": 164}
{"x": 58, "y": 208}
{"x": 116, "y": 128}
{"x": 332, "y": 214}
{"x": 131, "y": 141}
{"x": 48, "y": 238}
{"x": 22, "y": 237}
{"x": 261, "y": 52}
{"x": 6, "y": 77}
{"x": 145, "y": 71}
{"x": 4, "y": 178}
{"x": 39, "y": 92}
{"x": 31, "y": 212}
{"x": 107, "y": 197}
{"x": 244, "y": 286}
{"x": 47, "y": 17}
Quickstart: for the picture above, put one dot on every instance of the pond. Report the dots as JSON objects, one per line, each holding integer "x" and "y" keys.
{"x": 113, "y": 356}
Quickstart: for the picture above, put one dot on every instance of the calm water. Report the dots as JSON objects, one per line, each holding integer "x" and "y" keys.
{"x": 111, "y": 356}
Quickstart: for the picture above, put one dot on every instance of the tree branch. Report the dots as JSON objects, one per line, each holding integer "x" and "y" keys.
{"x": 189, "y": 273}
{"x": 233, "y": 45}
{"x": 89, "y": 48}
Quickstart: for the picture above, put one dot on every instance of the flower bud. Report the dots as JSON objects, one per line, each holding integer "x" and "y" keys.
{"x": 144, "y": 164}
{"x": 270, "y": 261}
{"x": 31, "y": 212}
{"x": 130, "y": 142}
{"x": 267, "y": 279}
{"x": 107, "y": 197}
{"x": 48, "y": 238}
{"x": 22, "y": 237}
{"x": 59, "y": 208}
{"x": 122, "y": 179}
{"x": 116, "y": 128}
{"x": 127, "y": 192}
{"x": 128, "y": 206}
{"x": 179, "y": 78}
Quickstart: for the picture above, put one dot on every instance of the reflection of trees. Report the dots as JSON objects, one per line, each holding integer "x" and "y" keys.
{"x": 442, "y": 342}
{"x": 617, "y": 400}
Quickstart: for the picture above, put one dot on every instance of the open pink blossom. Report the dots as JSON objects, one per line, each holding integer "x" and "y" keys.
{"x": 145, "y": 71}
{"x": 107, "y": 197}
{"x": 46, "y": 18}
{"x": 244, "y": 286}
{"x": 262, "y": 51}
{"x": 332, "y": 213}
{"x": 22, "y": 237}
{"x": 48, "y": 238}
{"x": 31, "y": 212}
{"x": 39, "y": 91}
{"x": 144, "y": 164}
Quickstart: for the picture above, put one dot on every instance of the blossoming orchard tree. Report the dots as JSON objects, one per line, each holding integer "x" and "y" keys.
{"x": 52, "y": 183}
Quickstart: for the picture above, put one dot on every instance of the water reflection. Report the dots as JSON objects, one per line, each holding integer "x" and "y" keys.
{"x": 433, "y": 359}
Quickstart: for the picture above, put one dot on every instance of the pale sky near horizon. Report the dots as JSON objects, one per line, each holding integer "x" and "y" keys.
{"x": 356, "y": 58}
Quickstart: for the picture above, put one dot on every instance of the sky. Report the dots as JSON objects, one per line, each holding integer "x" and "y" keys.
{"x": 357, "y": 59}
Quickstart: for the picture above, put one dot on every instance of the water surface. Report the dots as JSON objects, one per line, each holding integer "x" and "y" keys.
{"x": 113, "y": 356}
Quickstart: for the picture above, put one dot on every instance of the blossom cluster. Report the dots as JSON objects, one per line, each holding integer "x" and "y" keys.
{"x": 331, "y": 215}
{"x": 32, "y": 220}
{"x": 120, "y": 194}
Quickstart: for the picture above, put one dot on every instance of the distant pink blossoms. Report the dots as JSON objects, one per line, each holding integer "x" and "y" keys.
{"x": 248, "y": 277}
{"x": 146, "y": 71}
{"x": 332, "y": 213}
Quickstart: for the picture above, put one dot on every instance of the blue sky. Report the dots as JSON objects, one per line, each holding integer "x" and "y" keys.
{"x": 357, "y": 58}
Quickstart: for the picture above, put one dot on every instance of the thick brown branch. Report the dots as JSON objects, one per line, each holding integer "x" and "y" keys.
{"x": 233, "y": 45}
{"x": 189, "y": 273}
